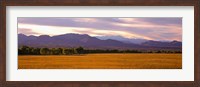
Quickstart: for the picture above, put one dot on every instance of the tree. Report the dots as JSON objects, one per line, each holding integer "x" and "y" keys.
{"x": 35, "y": 51}
{"x": 24, "y": 50}
{"x": 80, "y": 50}
{"x": 75, "y": 51}
{"x": 68, "y": 51}
{"x": 59, "y": 51}
{"x": 56, "y": 51}
{"x": 45, "y": 51}
{"x": 63, "y": 51}
{"x": 20, "y": 51}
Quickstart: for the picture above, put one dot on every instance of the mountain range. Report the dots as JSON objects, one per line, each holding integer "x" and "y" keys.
{"x": 122, "y": 39}
{"x": 86, "y": 41}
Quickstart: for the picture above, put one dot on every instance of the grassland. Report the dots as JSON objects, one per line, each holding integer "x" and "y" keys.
{"x": 101, "y": 61}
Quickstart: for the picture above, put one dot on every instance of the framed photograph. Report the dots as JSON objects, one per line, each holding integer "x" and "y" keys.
{"x": 92, "y": 43}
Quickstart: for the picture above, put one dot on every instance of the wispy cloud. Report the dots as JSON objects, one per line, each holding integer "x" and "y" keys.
{"x": 146, "y": 28}
{"x": 55, "y": 30}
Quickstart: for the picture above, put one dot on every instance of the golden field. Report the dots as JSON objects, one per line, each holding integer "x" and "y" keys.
{"x": 101, "y": 61}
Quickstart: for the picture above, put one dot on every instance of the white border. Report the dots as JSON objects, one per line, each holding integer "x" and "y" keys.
{"x": 185, "y": 74}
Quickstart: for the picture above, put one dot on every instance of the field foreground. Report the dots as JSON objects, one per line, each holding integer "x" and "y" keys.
{"x": 101, "y": 61}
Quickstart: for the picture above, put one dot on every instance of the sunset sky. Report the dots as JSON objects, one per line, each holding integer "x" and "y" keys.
{"x": 143, "y": 28}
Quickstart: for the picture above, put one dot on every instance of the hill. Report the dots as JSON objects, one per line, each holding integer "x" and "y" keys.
{"x": 86, "y": 41}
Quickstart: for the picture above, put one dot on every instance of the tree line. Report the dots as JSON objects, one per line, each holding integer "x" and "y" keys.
{"x": 25, "y": 50}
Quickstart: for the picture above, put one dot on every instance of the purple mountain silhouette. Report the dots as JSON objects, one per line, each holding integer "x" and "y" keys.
{"x": 86, "y": 41}
{"x": 122, "y": 39}
{"x": 162, "y": 44}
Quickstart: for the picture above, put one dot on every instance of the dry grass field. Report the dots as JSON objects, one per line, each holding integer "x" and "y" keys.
{"x": 102, "y": 61}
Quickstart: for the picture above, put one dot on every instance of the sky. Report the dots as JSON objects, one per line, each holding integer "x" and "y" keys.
{"x": 165, "y": 29}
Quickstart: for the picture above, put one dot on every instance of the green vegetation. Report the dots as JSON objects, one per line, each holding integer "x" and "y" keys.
{"x": 25, "y": 50}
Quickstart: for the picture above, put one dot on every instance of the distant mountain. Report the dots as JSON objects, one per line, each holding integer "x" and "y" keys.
{"x": 86, "y": 41}
{"x": 162, "y": 44}
{"x": 122, "y": 39}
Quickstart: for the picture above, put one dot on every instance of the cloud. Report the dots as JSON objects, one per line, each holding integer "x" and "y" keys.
{"x": 85, "y": 20}
{"x": 146, "y": 28}
{"x": 27, "y": 31}
{"x": 157, "y": 21}
{"x": 55, "y": 30}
